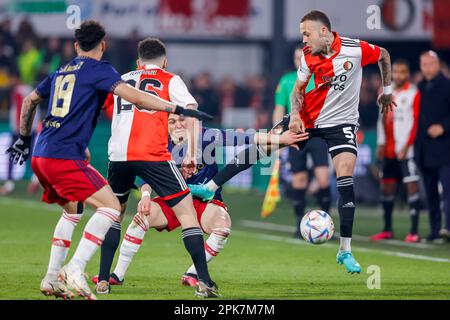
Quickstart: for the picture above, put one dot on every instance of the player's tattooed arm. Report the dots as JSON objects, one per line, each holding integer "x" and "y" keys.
{"x": 29, "y": 106}
{"x": 385, "y": 100}
{"x": 296, "y": 124}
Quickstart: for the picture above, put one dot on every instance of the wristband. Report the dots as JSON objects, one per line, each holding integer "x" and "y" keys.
{"x": 145, "y": 194}
{"x": 178, "y": 110}
{"x": 387, "y": 90}
{"x": 26, "y": 139}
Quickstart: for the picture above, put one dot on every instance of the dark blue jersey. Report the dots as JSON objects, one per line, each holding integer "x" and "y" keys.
{"x": 210, "y": 139}
{"x": 76, "y": 93}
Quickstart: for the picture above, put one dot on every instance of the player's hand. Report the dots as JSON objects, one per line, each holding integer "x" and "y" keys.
{"x": 402, "y": 154}
{"x": 20, "y": 150}
{"x": 435, "y": 131}
{"x": 200, "y": 115}
{"x": 386, "y": 103}
{"x": 188, "y": 166}
{"x": 380, "y": 152}
{"x": 296, "y": 124}
{"x": 290, "y": 138}
{"x": 144, "y": 206}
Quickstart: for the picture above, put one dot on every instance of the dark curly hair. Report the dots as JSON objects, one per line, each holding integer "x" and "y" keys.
{"x": 89, "y": 34}
{"x": 151, "y": 48}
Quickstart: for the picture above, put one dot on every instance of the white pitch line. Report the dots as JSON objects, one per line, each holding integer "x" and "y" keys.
{"x": 329, "y": 245}
{"x": 291, "y": 229}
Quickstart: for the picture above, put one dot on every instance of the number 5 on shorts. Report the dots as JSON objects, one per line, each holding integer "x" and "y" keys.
{"x": 348, "y": 133}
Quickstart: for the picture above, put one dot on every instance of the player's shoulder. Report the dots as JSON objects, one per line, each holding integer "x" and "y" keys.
{"x": 350, "y": 42}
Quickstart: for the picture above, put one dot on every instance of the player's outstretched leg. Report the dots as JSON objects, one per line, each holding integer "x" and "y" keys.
{"x": 217, "y": 223}
{"x": 108, "y": 212}
{"x": 243, "y": 160}
{"x": 62, "y": 238}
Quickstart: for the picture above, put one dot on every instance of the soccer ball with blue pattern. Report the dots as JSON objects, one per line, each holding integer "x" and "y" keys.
{"x": 317, "y": 227}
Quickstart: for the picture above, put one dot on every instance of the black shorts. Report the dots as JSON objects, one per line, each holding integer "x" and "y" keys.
{"x": 318, "y": 150}
{"x": 163, "y": 177}
{"x": 339, "y": 139}
{"x": 394, "y": 170}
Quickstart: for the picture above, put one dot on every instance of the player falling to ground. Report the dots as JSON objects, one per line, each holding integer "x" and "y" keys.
{"x": 329, "y": 111}
{"x": 212, "y": 215}
{"x": 396, "y": 134}
{"x": 315, "y": 147}
{"x": 76, "y": 92}
{"x": 138, "y": 148}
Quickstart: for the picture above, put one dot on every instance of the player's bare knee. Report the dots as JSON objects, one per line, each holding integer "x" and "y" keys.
{"x": 221, "y": 220}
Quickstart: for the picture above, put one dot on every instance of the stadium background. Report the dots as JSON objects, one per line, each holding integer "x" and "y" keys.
{"x": 232, "y": 53}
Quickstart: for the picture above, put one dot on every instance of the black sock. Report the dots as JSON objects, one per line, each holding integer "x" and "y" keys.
{"x": 243, "y": 160}
{"x": 195, "y": 245}
{"x": 388, "y": 207}
{"x": 415, "y": 204}
{"x": 109, "y": 247}
{"x": 299, "y": 203}
{"x": 346, "y": 205}
{"x": 324, "y": 199}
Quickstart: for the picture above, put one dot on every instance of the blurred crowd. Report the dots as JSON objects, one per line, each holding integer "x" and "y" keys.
{"x": 26, "y": 58}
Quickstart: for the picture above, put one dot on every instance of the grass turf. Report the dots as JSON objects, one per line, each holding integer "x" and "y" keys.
{"x": 255, "y": 264}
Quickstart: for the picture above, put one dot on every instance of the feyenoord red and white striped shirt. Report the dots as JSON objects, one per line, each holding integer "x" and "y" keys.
{"x": 143, "y": 135}
{"x": 335, "y": 99}
{"x": 398, "y": 129}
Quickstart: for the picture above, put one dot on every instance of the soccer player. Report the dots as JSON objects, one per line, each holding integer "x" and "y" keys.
{"x": 396, "y": 135}
{"x": 330, "y": 111}
{"x": 212, "y": 215}
{"x": 76, "y": 92}
{"x": 138, "y": 148}
{"x": 315, "y": 147}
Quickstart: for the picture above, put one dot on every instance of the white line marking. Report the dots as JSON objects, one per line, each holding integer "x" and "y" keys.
{"x": 358, "y": 249}
{"x": 291, "y": 229}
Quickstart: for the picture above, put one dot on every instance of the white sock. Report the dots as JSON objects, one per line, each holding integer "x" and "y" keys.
{"x": 345, "y": 244}
{"x": 93, "y": 235}
{"x": 62, "y": 238}
{"x": 211, "y": 185}
{"x": 130, "y": 245}
{"x": 213, "y": 245}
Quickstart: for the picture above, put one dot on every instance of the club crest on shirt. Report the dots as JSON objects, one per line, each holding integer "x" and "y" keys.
{"x": 348, "y": 65}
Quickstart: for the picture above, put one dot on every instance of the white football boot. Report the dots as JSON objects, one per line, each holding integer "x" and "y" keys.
{"x": 55, "y": 287}
{"x": 76, "y": 280}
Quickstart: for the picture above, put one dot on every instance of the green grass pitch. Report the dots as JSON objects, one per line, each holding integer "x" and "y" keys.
{"x": 260, "y": 261}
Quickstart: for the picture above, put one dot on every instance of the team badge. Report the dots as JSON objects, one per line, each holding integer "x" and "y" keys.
{"x": 348, "y": 65}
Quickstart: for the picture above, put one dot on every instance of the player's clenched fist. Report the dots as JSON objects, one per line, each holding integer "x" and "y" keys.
{"x": 144, "y": 206}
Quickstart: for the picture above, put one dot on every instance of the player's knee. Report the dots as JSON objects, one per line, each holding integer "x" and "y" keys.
{"x": 222, "y": 220}
{"x": 115, "y": 204}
